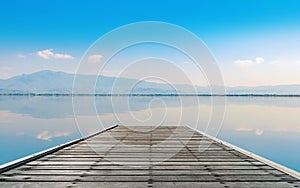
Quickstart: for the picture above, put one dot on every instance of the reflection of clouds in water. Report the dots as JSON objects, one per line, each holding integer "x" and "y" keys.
{"x": 5, "y": 117}
{"x": 46, "y": 135}
{"x": 261, "y": 119}
{"x": 61, "y": 107}
{"x": 244, "y": 115}
{"x": 238, "y": 116}
{"x": 259, "y": 132}
{"x": 244, "y": 129}
{"x": 38, "y": 107}
{"x": 18, "y": 125}
{"x": 247, "y": 129}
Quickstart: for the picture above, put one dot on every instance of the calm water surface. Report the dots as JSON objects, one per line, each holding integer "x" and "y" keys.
{"x": 267, "y": 126}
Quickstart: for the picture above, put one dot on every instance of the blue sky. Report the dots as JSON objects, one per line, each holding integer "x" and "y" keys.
{"x": 255, "y": 42}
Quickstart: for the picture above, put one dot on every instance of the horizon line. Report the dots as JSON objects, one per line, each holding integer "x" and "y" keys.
{"x": 157, "y": 94}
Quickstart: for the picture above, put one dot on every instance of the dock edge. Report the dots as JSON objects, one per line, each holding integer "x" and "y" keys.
{"x": 273, "y": 164}
{"x": 19, "y": 162}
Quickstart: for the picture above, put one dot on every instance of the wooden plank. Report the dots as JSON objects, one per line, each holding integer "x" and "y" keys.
{"x": 22, "y": 161}
{"x": 222, "y": 184}
{"x": 166, "y": 156}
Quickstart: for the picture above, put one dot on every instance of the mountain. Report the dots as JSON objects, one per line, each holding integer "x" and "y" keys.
{"x": 43, "y": 81}
{"x": 62, "y": 83}
{"x": 50, "y": 82}
{"x": 292, "y": 89}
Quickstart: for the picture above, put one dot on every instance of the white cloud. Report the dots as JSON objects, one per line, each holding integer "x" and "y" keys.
{"x": 48, "y": 53}
{"x": 95, "y": 58}
{"x": 45, "y": 54}
{"x": 46, "y": 135}
{"x": 259, "y": 60}
{"x": 21, "y": 56}
{"x": 243, "y": 63}
{"x": 249, "y": 62}
{"x": 62, "y": 56}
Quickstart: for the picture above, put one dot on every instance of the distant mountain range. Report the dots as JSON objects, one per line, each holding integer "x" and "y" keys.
{"x": 49, "y": 82}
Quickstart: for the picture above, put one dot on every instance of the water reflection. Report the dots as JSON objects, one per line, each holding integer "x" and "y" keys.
{"x": 268, "y": 126}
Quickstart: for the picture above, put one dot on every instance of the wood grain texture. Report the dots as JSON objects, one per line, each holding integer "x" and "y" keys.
{"x": 128, "y": 156}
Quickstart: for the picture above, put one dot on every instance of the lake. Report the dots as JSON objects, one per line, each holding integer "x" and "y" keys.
{"x": 267, "y": 126}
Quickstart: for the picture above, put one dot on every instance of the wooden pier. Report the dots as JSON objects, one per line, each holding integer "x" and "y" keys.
{"x": 165, "y": 156}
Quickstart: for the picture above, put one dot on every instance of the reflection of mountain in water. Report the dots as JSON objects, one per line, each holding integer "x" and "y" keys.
{"x": 40, "y": 107}
{"x": 61, "y": 106}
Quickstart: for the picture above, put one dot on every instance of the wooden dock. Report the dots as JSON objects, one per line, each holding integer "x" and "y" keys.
{"x": 165, "y": 156}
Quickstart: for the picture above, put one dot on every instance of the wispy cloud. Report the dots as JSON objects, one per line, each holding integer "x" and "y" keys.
{"x": 48, "y": 54}
{"x": 6, "y": 72}
{"x": 249, "y": 62}
{"x": 21, "y": 56}
{"x": 285, "y": 63}
{"x": 95, "y": 58}
{"x": 112, "y": 73}
{"x": 6, "y": 68}
{"x": 243, "y": 63}
{"x": 46, "y": 135}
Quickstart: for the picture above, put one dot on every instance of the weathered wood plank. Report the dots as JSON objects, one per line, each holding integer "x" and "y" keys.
{"x": 166, "y": 156}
